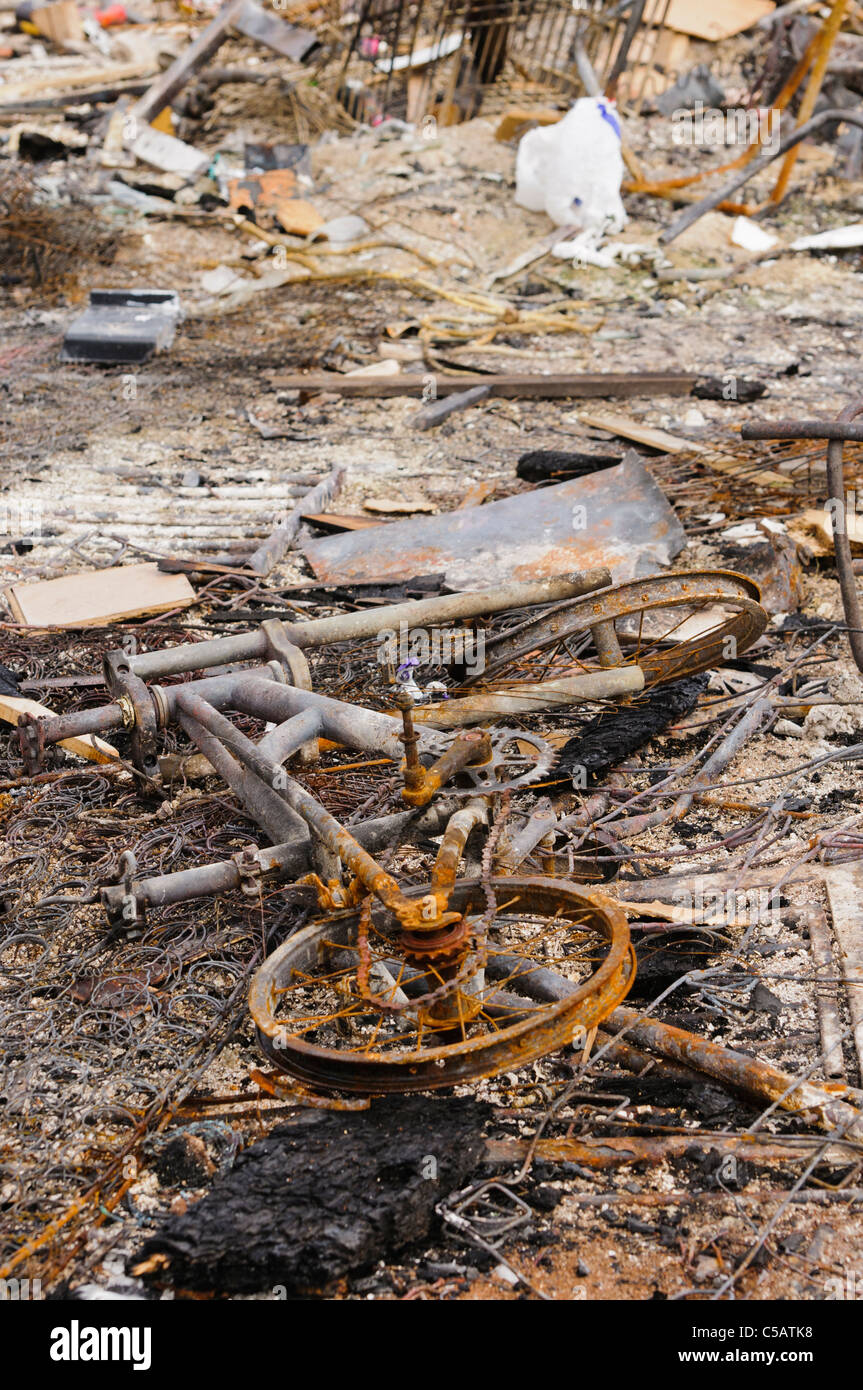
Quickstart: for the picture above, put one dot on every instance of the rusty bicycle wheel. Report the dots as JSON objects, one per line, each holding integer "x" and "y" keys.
{"x": 670, "y": 625}
{"x": 315, "y": 1022}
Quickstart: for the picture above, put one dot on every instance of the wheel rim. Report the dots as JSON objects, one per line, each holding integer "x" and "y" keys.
{"x": 293, "y": 994}
{"x": 635, "y": 609}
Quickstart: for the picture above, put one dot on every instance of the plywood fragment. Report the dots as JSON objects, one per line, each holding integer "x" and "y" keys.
{"x": 95, "y": 597}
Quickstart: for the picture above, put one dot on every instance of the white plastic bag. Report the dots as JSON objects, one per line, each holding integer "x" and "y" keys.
{"x": 573, "y": 170}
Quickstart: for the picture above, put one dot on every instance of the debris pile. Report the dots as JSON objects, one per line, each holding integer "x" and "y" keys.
{"x": 431, "y": 650}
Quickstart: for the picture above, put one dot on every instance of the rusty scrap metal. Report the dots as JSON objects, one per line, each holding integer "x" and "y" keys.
{"x": 533, "y": 697}
{"x": 420, "y": 1056}
{"x": 621, "y": 612}
{"x": 615, "y": 1151}
{"x": 617, "y": 518}
{"x": 756, "y": 166}
{"x": 836, "y": 434}
{"x": 503, "y": 385}
{"x": 345, "y": 627}
{"x": 145, "y": 710}
{"x": 273, "y": 549}
{"x": 271, "y": 864}
{"x": 760, "y": 1082}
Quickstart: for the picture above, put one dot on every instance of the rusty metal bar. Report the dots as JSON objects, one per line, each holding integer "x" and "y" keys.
{"x": 288, "y": 738}
{"x": 287, "y": 860}
{"x": 756, "y": 166}
{"x": 269, "y": 810}
{"x": 758, "y": 1080}
{"x": 836, "y": 432}
{"x": 802, "y": 429}
{"x": 346, "y": 627}
{"x": 452, "y": 846}
{"x": 533, "y": 697}
{"x": 719, "y": 759}
{"x": 327, "y": 829}
{"x": 355, "y": 727}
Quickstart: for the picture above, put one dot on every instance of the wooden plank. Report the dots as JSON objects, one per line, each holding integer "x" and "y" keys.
{"x": 332, "y": 521}
{"x": 96, "y": 597}
{"x": 506, "y": 384}
{"x": 639, "y": 433}
{"x": 667, "y": 443}
{"x": 172, "y": 81}
{"x": 721, "y": 19}
{"x": 67, "y": 80}
{"x": 845, "y": 895}
{"x": 96, "y": 750}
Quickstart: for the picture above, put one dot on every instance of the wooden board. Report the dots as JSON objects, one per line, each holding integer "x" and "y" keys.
{"x": 87, "y": 746}
{"x": 667, "y": 443}
{"x": 95, "y": 597}
{"x": 332, "y": 521}
{"x": 60, "y": 22}
{"x": 639, "y": 434}
{"x": 720, "y": 19}
{"x": 513, "y": 385}
{"x": 820, "y": 525}
{"x": 65, "y": 80}
{"x": 845, "y": 894}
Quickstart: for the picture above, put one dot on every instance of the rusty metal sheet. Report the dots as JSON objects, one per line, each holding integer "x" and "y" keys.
{"x": 617, "y": 517}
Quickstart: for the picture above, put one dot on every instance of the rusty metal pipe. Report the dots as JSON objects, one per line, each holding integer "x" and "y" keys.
{"x": 719, "y": 759}
{"x": 836, "y": 432}
{"x": 431, "y": 612}
{"x": 615, "y": 1151}
{"x": 328, "y": 830}
{"x": 287, "y": 860}
{"x": 755, "y": 166}
{"x": 468, "y": 750}
{"x": 269, "y": 810}
{"x": 452, "y": 846}
{"x": 532, "y": 697}
{"x": 288, "y": 738}
{"x": 197, "y": 656}
{"x": 761, "y": 1082}
{"x": 514, "y": 847}
{"x": 84, "y": 721}
{"x": 345, "y": 627}
{"x": 841, "y": 543}
{"x": 363, "y": 729}
{"x": 803, "y": 429}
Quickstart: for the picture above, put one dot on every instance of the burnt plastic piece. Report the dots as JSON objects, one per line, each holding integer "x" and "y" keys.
{"x": 123, "y": 326}
{"x": 553, "y": 465}
{"x": 736, "y": 389}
